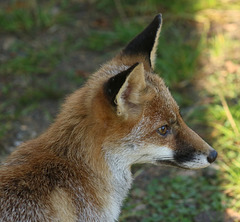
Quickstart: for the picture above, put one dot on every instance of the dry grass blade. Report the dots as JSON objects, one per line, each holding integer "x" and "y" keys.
{"x": 228, "y": 113}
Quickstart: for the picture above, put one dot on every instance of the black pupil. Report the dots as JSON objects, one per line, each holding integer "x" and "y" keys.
{"x": 163, "y": 130}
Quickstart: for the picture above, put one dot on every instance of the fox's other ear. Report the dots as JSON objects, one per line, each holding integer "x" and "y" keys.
{"x": 125, "y": 90}
{"x": 145, "y": 44}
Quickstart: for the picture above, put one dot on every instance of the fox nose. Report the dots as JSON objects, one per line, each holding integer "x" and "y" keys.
{"x": 212, "y": 156}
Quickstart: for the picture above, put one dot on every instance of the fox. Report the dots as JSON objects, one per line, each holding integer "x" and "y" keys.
{"x": 79, "y": 169}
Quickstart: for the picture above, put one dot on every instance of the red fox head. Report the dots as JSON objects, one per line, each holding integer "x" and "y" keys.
{"x": 142, "y": 118}
{"x": 125, "y": 114}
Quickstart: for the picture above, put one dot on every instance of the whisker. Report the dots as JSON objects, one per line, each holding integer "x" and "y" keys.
{"x": 163, "y": 158}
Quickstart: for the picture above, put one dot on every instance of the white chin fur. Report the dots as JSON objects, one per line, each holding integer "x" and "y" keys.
{"x": 199, "y": 161}
{"x": 152, "y": 153}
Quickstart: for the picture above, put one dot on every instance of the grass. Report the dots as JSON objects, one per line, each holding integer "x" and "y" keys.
{"x": 29, "y": 17}
{"x": 223, "y": 86}
{"x": 187, "y": 48}
{"x": 104, "y": 40}
{"x": 28, "y": 71}
{"x": 30, "y": 60}
{"x": 41, "y": 59}
{"x": 177, "y": 60}
{"x": 24, "y": 17}
{"x": 178, "y": 198}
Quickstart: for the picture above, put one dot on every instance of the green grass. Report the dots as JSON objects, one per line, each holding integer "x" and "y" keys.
{"x": 226, "y": 129}
{"x": 178, "y": 55}
{"x": 32, "y": 60}
{"x": 31, "y": 16}
{"x": 28, "y": 74}
{"x": 178, "y": 198}
{"x": 25, "y": 17}
{"x": 37, "y": 60}
{"x": 222, "y": 115}
{"x": 105, "y": 40}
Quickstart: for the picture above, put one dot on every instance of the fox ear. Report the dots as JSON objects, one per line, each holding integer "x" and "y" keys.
{"x": 124, "y": 90}
{"x": 144, "y": 45}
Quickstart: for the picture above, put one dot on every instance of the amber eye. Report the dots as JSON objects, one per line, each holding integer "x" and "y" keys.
{"x": 163, "y": 130}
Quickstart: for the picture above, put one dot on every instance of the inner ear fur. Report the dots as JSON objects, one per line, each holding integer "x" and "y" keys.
{"x": 126, "y": 91}
{"x": 144, "y": 46}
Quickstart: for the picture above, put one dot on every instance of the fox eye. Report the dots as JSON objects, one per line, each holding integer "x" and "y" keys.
{"x": 163, "y": 130}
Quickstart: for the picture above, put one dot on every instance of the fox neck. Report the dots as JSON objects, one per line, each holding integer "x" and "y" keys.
{"x": 120, "y": 182}
{"x": 113, "y": 173}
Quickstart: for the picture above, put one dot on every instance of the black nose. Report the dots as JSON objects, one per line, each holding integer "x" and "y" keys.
{"x": 212, "y": 156}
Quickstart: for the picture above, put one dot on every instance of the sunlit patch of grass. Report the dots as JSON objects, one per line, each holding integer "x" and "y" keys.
{"x": 222, "y": 114}
{"x": 219, "y": 45}
{"x": 225, "y": 121}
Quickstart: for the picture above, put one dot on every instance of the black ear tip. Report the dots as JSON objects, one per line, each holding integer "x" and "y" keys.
{"x": 143, "y": 43}
{"x": 158, "y": 17}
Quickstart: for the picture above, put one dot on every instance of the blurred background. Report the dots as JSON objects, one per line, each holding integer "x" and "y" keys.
{"x": 48, "y": 48}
